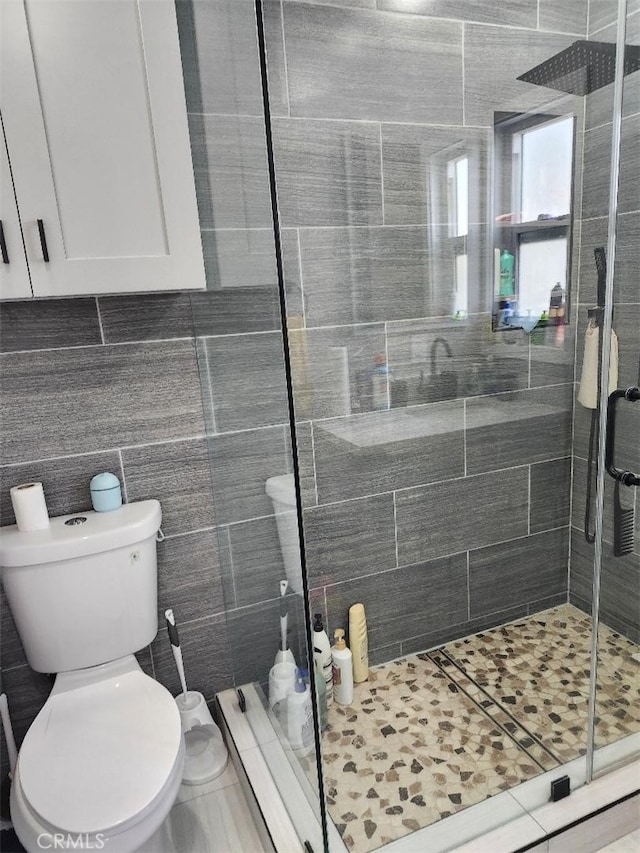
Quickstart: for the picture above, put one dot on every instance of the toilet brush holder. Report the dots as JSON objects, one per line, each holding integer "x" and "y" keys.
{"x": 206, "y": 753}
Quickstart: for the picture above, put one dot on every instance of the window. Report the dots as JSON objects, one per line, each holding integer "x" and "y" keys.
{"x": 533, "y": 209}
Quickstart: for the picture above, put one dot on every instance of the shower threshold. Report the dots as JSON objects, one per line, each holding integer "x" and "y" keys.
{"x": 465, "y": 739}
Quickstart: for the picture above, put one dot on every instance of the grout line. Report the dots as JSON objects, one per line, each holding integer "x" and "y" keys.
{"x": 421, "y": 562}
{"x": 381, "y": 172}
{"x": 464, "y": 436}
{"x": 182, "y": 533}
{"x": 209, "y": 386}
{"x": 99, "y": 313}
{"x": 98, "y": 346}
{"x": 462, "y": 56}
{"x": 529, "y": 503}
{"x": 395, "y": 528}
{"x": 233, "y": 570}
{"x": 313, "y": 459}
{"x": 284, "y": 62}
{"x": 469, "y": 586}
{"x": 124, "y": 479}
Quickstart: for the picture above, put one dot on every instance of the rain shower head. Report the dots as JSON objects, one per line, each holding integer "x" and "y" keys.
{"x": 582, "y": 67}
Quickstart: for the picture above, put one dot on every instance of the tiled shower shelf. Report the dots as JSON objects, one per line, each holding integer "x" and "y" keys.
{"x": 375, "y": 428}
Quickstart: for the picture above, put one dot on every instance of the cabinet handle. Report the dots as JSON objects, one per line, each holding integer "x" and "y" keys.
{"x": 43, "y": 241}
{"x": 3, "y": 245}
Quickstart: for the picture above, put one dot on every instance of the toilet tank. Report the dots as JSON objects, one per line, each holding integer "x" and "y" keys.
{"x": 84, "y": 591}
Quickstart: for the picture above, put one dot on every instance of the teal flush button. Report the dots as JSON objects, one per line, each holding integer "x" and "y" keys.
{"x": 106, "y": 494}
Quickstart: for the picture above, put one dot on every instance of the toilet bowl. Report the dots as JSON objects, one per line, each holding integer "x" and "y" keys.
{"x": 281, "y": 490}
{"x": 101, "y": 765}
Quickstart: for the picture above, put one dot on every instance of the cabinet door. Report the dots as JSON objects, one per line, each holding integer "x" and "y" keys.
{"x": 95, "y": 118}
{"x": 14, "y": 273}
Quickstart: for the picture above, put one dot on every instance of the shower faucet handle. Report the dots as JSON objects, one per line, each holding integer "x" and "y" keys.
{"x": 627, "y": 478}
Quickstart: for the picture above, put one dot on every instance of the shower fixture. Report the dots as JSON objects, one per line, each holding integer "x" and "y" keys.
{"x": 583, "y": 67}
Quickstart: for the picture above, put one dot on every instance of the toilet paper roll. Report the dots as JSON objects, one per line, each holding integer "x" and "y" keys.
{"x": 30, "y": 507}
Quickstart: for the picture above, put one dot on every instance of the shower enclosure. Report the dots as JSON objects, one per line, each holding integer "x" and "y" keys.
{"x": 421, "y": 220}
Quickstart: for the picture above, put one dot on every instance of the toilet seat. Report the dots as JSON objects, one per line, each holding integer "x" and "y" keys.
{"x": 98, "y": 755}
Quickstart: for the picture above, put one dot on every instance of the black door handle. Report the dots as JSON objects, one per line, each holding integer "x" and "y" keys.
{"x": 627, "y": 478}
{"x": 43, "y": 241}
{"x": 3, "y": 245}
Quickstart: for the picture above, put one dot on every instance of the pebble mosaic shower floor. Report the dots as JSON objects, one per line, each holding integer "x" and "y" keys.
{"x": 431, "y": 734}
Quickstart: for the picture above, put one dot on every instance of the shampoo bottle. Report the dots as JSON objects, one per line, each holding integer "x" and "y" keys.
{"x": 322, "y": 654}
{"x": 359, "y": 642}
{"x": 342, "y": 670}
{"x": 300, "y": 717}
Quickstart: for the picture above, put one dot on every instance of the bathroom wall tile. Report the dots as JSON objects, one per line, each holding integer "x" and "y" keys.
{"x": 567, "y": 17}
{"x": 387, "y": 55}
{"x": 382, "y": 451}
{"x": 360, "y": 4}
{"x": 594, "y": 233}
{"x": 597, "y": 145}
{"x": 146, "y": 661}
{"x": 276, "y": 60}
{"x": 49, "y": 323}
{"x": 599, "y": 104}
{"x": 258, "y": 566}
{"x": 619, "y": 591}
{"x": 329, "y": 173}
{"x": 241, "y": 463}
{"x": 243, "y": 257}
{"x": 178, "y": 475}
{"x": 364, "y": 275}
{"x": 226, "y": 567}
{"x": 579, "y": 500}
{"x": 493, "y": 86}
{"x": 291, "y": 273}
{"x": 349, "y": 539}
{"x": 432, "y": 639}
{"x": 306, "y": 463}
{"x": 384, "y": 654}
{"x": 230, "y": 166}
{"x": 604, "y": 12}
{"x": 220, "y": 56}
{"x": 519, "y": 13}
{"x": 158, "y": 316}
{"x": 518, "y": 427}
{"x": 548, "y": 602}
{"x": 11, "y": 652}
{"x": 189, "y": 577}
{"x": 523, "y": 570}
{"x": 553, "y": 362}
{"x": 480, "y": 362}
{"x": 206, "y": 653}
{"x": 453, "y": 516}
{"x": 415, "y": 162}
{"x": 400, "y": 603}
{"x": 65, "y": 481}
{"x": 550, "y": 494}
{"x": 236, "y": 310}
{"x": 74, "y": 400}
{"x": 332, "y": 369}
{"x": 248, "y": 385}
{"x": 254, "y": 637}
{"x": 27, "y": 692}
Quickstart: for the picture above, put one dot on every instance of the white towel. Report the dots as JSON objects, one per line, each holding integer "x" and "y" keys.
{"x": 588, "y": 394}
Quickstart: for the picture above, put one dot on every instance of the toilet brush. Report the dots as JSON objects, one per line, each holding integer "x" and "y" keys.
{"x": 12, "y": 752}
{"x": 174, "y": 639}
{"x": 284, "y": 653}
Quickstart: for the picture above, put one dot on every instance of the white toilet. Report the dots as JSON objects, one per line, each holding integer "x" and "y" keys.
{"x": 282, "y": 491}
{"x": 102, "y": 761}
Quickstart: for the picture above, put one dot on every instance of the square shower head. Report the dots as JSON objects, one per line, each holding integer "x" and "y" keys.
{"x": 582, "y": 67}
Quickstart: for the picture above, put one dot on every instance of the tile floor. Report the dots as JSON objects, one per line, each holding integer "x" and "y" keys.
{"x": 431, "y": 734}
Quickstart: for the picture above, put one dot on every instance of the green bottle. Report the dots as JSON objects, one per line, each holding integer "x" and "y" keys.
{"x": 507, "y": 267}
{"x": 538, "y": 336}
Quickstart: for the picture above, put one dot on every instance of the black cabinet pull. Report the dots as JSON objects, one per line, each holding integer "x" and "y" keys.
{"x": 43, "y": 241}
{"x": 3, "y": 245}
{"x": 627, "y": 478}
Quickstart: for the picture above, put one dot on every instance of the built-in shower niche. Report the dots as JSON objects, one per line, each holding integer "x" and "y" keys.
{"x": 534, "y": 168}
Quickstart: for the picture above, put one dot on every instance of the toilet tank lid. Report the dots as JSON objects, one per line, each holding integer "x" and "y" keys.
{"x": 282, "y": 488}
{"x": 98, "y": 533}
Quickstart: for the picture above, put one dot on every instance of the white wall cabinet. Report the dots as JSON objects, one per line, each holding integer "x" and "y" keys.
{"x": 94, "y": 114}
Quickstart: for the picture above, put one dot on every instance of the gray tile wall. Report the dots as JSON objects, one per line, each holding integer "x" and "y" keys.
{"x": 451, "y": 512}
{"x": 620, "y": 592}
{"x": 182, "y": 396}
